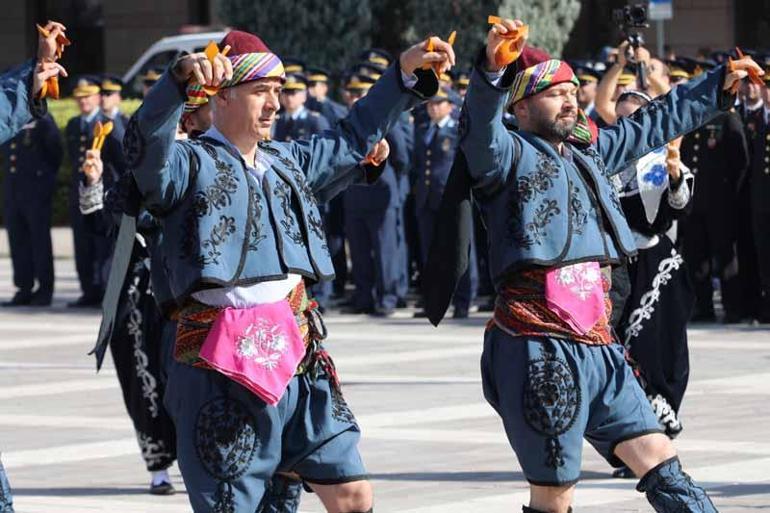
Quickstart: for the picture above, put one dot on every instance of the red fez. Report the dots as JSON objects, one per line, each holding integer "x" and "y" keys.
{"x": 530, "y": 56}
{"x": 242, "y": 42}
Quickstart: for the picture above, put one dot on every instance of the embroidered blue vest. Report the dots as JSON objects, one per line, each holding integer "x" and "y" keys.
{"x": 541, "y": 209}
{"x": 220, "y": 226}
{"x": 550, "y": 211}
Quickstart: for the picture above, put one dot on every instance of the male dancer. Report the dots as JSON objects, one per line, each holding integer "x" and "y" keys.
{"x": 550, "y": 367}
{"x": 240, "y": 230}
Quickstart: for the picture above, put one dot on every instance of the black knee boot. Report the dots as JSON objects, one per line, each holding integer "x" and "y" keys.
{"x": 669, "y": 489}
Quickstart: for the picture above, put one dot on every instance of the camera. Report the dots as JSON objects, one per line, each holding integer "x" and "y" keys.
{"x": 631, "y": 16}
{"x": 630, "y": 19}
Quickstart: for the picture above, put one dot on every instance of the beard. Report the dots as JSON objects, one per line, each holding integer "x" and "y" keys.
{"x": 555, "y": 130}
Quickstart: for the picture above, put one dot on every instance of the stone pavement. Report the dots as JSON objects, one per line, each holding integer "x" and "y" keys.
{"x": 431, "y": 442}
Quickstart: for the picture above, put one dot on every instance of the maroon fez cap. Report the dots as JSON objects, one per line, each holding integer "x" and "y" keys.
{"x": 531, "y": 56}
{"x": 242, "y": 42}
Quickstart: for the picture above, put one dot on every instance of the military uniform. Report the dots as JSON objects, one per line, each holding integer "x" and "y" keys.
{"x": 434, "y": 152}
{"x": 92, "y": 251}
{"x": 328, "y": 108}
{"x": 372, "y": 227}
{"x": 301, "y": 126}
{"x": 31, "y": 161}
{"x": 717, "y": 155}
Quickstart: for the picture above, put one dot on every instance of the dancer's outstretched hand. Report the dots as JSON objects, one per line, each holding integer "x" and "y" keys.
{"x": 505, "y": 42}
{"x": 198, "y": 68}
{"x": 418, "y": 56}
{"x": 739, "y": 69}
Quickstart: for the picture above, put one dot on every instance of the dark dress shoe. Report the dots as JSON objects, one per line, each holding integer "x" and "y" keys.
{"x": 41, "y": 298}
{"x": 401, "y": 303}
{"x": 162, "y": 488}
{"x": 357, "y": 310}
{"x": 19, "y": 299}
{"x": 85, "y": 302}
{"x": 420, "y": 314}
{"x": 703, "y": 317}
{"x": 383, "y": 311}
{"x": 488, "y": 306}
{"x": 460, "y": 313}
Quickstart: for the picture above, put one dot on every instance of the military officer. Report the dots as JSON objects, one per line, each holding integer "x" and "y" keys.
{"x": 149, "y": 79}
{"x": 461, "y": 83}
{"x": 372, "y": 224}
{"x": 31, "y": 161}
{"x": 92, "y": 251}
{"x": 111, "y": 89}
{"x": 434, "y": 151}
{"x": 318, "y": 96}
{"x": 718, "y": 156}
{"x": 297, "y": 122}
{"x": 758, "y": 190}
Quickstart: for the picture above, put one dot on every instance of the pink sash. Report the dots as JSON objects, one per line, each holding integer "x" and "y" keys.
{"x": 259, "y": 347}
{"x": 575, "y": 293}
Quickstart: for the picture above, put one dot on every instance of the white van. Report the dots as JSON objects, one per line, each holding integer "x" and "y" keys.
{"x": 161, "y": 53}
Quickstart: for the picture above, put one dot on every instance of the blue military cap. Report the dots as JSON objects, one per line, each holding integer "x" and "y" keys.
{"x": 111, "y": 84}
{"x": 697, "y": 66}
{"x": 87, "y": 85}
{"x": 293, "y": 65}
{"x": 152, "y": 75}
{"x": 367, "y": 70}
{"x": 678, "y": 69}
{"x": 316, "y": 74}
{"x": 295, "y": 82}
{"x": 462, "y": 79}
{"x": 359, "y": 83}
{"x": 446, "y": 94}
{"x": 377, "y": 57}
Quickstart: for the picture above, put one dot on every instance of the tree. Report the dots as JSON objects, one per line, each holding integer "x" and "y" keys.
{"x": 320, "y": 32}
{"x": 550, "y": 21}
{"x": 440, "y": 17}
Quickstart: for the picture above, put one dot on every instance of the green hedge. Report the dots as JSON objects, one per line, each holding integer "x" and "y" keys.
{"x": 62, "y": 111}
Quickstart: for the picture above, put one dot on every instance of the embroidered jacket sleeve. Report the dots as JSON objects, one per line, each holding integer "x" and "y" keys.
{"x": 488, "y": 146}
{"x": 17, "y": 107}
{"x": 331, "y": 160}
{"x": 160, "y": 165}
{"x": 685, "y": 108}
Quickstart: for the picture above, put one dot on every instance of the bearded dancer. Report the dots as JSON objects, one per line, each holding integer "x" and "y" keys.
{"x": 550, "y": 367}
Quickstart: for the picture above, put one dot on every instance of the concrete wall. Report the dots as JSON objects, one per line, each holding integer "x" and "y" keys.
{"x": 13, "y": 33}
{"x": 697, "y": 24}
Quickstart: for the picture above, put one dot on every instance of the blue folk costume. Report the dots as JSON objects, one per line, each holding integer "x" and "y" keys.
{"x": 554, "y": 214}
{"x": 17, "y": 108}
{"x": 232, "y": 233}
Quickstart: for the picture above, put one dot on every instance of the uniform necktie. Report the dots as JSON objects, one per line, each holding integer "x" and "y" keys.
{"x": 430, "y": 134}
